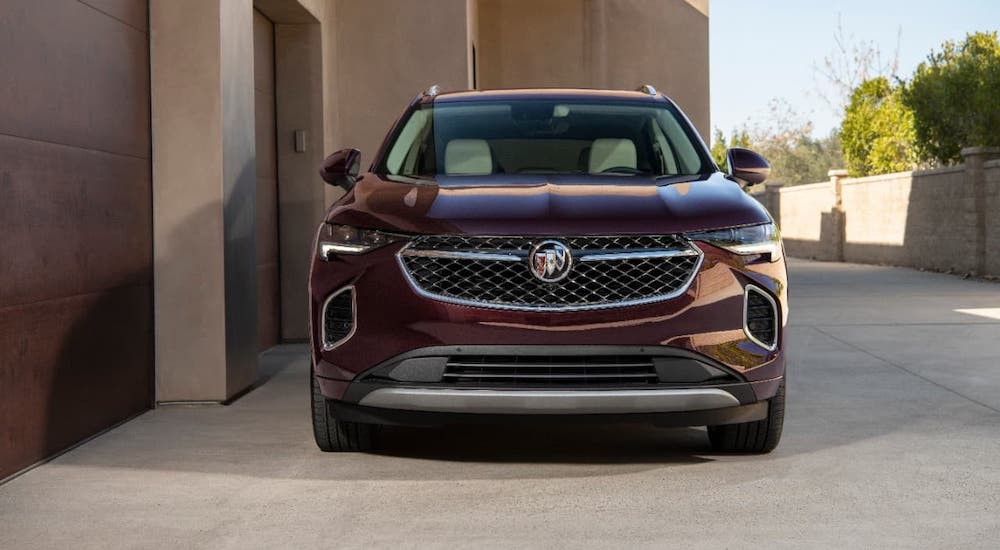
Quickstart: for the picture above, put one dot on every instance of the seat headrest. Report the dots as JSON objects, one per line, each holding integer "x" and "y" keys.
{"x": 610, "y": 153}
{"x": 470, "y": 157}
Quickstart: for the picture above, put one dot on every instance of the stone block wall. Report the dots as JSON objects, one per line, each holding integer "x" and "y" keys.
{"x": 941, "y": 219}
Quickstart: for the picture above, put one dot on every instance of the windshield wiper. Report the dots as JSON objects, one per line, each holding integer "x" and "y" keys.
{"x": 669, "y": 179}
{"x": 416, "y": 177}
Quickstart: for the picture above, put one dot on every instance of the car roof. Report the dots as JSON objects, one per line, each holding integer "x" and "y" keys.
{"x": 543, "y": 93}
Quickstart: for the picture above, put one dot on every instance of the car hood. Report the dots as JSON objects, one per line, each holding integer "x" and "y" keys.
{"x": 546, "y": 205}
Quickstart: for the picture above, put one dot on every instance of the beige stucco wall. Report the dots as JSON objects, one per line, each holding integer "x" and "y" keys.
{"x": 385, "y": 53}
{"x": 598, "y": 44}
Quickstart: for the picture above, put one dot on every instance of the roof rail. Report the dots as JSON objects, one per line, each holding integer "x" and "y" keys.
{"x": 646, "y": 89}
{"x": 432, "y": 91}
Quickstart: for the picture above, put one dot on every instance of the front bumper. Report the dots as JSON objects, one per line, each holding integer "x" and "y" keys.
{"x": 414, "y": 388}
{"x": 392, "y": 320}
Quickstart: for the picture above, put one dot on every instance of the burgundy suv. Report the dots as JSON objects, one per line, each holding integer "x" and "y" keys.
{"x": 530, "y": 255}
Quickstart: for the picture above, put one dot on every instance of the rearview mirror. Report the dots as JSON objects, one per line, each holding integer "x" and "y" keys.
{"x": 342, "y": 168}
{"x": 746, "y": 167}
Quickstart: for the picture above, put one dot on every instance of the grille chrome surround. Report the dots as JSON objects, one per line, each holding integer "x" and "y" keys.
{"x": 494, "y": 272}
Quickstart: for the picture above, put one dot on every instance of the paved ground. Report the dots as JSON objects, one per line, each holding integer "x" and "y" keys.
{"x": 892, "y": 440}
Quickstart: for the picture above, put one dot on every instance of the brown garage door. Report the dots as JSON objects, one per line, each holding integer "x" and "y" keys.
{"x": 75, "y": 223}
{"x": 268, "y": 285}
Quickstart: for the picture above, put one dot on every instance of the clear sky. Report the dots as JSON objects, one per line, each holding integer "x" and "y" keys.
{"x": 764, "y": 49}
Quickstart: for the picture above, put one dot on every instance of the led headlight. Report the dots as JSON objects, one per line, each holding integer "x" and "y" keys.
{"x": 344, "y": 239}
{"x": 744, "y": 240}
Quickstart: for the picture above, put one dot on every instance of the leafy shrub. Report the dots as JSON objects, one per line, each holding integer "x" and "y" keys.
{"x": 955, "y": 98}
{"x": 877, "y": 133}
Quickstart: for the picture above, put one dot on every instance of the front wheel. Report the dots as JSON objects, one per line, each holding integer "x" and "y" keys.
{"x": 760, "y": 436}
{"x": 334, "y": 435}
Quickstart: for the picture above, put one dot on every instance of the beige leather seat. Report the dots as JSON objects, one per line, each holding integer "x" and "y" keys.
{"x": 611, "y": 153}
{"x": 468, "y": 157}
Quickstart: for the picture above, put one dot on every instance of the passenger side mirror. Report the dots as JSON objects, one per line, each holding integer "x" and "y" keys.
{"x": 342, "y": 168}
{"x": 746, "y": 167}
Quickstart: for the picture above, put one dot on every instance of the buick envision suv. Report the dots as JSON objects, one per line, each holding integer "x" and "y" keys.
{"x": 536, "y": 255}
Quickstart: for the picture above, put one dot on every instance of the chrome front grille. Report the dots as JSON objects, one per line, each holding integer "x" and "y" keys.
{"x": 548, "y": 370}
{"x": 606, "y": 271}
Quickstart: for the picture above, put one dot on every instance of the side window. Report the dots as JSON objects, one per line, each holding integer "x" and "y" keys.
{"x": 405, "y": 152}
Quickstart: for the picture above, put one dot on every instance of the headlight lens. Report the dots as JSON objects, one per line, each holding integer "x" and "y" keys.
{"x": 744, "y": 240}
{"x": 344, "y": 239}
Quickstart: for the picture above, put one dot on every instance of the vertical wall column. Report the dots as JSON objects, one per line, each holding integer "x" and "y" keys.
{"x": 839, "y": 217}
{"x": 203, "y": 198}
{"x": 974, "y": 158}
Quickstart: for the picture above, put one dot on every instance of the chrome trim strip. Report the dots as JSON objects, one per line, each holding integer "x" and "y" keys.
{"x": 328, "y": 346}
{"x": 462, "y": 364}
{"x": 555, "y": 376}
{"x": 648, "y": 253}
{"x": 500, "y": 256}
{"x": 550, "y": 401}
{"x": 774, "y": 308}
{"x": 489, "y": 305}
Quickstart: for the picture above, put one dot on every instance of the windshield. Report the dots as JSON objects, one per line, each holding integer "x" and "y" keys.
{"x": 483, "y": 138}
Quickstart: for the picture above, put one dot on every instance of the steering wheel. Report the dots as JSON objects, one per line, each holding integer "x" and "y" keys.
{"x": 621, "y": 170}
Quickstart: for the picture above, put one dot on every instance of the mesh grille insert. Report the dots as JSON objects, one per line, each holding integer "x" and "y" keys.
{"x": 593, "y": 283}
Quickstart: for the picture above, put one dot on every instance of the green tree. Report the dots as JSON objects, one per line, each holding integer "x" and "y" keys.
{"x": 739, "y": 138}
{"x": 878, "y": 132}
{"x": 955, "y": 98}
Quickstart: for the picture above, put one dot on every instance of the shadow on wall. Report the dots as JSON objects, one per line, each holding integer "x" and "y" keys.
{"x": 826, "y": 247}
{"x": 103, "y": 371}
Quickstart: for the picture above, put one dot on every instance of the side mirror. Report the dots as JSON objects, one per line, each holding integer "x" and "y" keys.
{"x": 342, "y": 168}
{"x": 746, "y": 167}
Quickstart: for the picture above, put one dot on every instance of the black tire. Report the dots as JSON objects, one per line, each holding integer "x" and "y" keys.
{"x": 334, "y": 435}
{"x": 761, "y": 436}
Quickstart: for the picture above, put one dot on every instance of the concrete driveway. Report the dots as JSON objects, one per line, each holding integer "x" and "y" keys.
{"x": 892, "y": 439}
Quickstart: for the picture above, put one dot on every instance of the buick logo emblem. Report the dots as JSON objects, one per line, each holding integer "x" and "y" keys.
{"x": 550, "y": 261}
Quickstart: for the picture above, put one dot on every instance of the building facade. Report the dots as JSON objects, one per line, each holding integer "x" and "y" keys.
{"x": 158, "y": 184}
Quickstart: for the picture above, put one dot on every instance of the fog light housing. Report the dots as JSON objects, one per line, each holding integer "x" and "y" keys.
{"x": 338, "y": 318}
{"x": 760, "y": 317}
